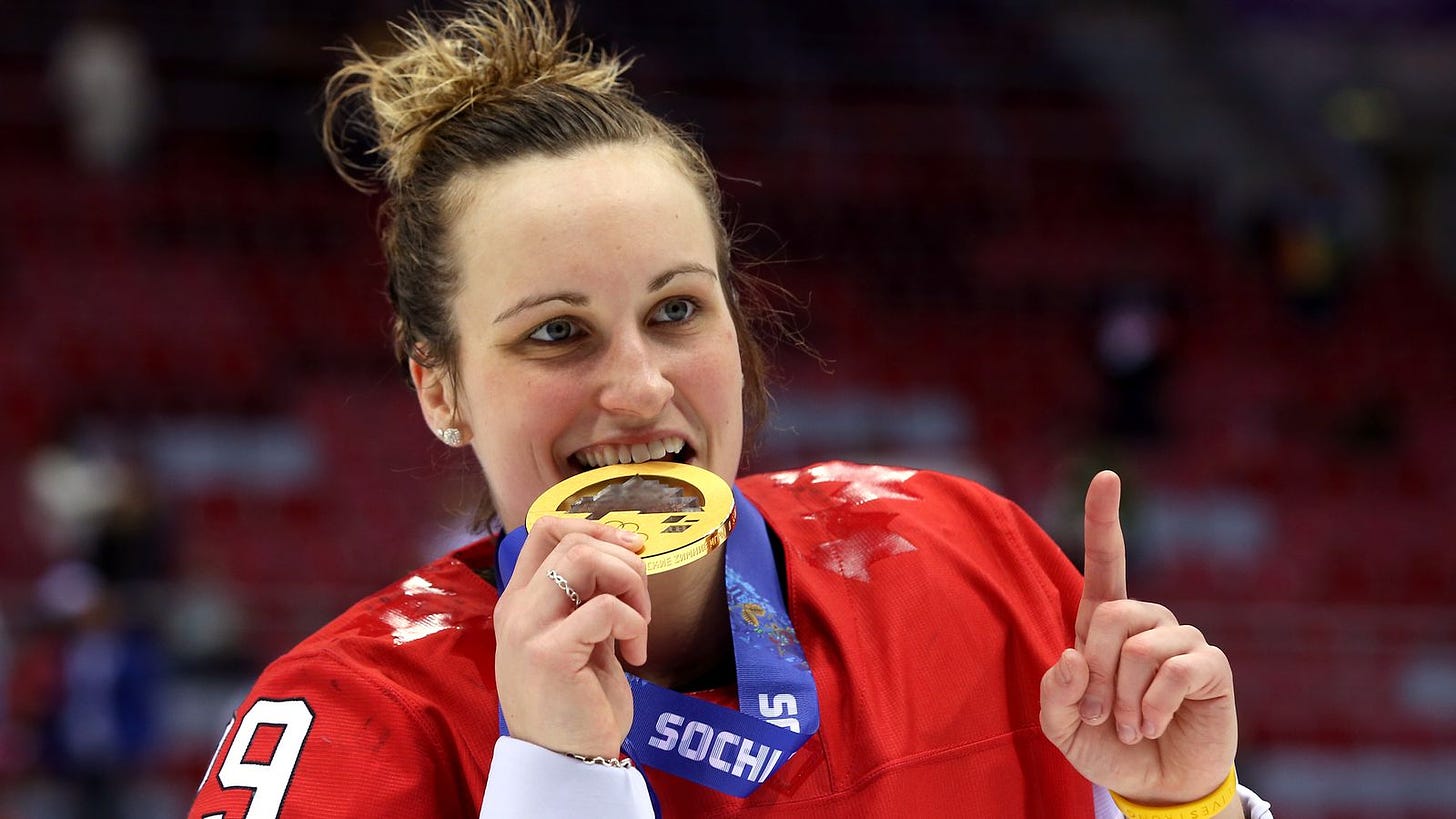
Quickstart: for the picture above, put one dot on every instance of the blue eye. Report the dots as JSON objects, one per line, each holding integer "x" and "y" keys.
{"x": 675, "y": 310}
{"x": 555, "y": 330}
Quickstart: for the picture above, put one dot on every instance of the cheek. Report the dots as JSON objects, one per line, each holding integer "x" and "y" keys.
{"x": 541, "y": 399}
{"x": 514, "y": 411}
{"x": 520, "y": 422}
{"x": 717, "y": 381}
{"x": 535, "y": 410}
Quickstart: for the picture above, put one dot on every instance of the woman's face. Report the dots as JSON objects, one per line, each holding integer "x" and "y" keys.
{"x": 592, "y": 326}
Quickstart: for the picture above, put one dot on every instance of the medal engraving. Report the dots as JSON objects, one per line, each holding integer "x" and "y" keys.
{"x": 684, "y": 512}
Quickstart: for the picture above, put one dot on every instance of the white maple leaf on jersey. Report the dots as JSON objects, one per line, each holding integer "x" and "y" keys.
{"x": 860, "y": 536}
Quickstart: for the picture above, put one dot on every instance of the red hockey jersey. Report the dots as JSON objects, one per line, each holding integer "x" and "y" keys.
{"x": 928, "y": 609}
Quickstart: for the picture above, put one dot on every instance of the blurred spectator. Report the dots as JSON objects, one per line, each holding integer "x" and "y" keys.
{"x": 205, "y": 625}
{"x": 87, "y": 674}
{"x": 102, "y": 75}
{"x": 1132, "y": 354}
{"x": 95, "y": 507}
{"x": 86, "y": 691}
{"x": 71, "y": 490}
{"x": 1299, "y": 242}
{"x": 132, "y": 546}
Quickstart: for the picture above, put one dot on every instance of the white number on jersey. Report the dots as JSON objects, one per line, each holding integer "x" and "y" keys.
{"x": 268, "y": 780}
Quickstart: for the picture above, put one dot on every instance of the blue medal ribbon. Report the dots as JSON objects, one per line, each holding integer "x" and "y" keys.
{"x": 730, "y": 751}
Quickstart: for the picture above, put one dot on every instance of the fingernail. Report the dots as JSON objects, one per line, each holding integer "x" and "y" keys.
{"x": 1149, "y": 729}
{"x": 1126, "y": 733}
{"x": 633, "y": 538}
{"x": 1064, "y": 673}
{"x": 1091, "y": 710}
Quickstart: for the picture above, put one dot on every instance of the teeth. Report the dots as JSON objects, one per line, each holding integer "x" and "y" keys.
{"x": 611, "y": 454}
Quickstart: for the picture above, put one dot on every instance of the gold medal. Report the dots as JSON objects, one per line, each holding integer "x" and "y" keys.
{"x": 684, "y": 512}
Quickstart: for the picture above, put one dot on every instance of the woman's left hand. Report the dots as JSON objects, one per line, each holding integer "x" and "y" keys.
{"x": 1142, "y": 705}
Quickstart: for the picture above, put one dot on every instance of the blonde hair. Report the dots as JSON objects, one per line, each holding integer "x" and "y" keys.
{"x": 501, "y": 81}
{"x": 489, "y": 54}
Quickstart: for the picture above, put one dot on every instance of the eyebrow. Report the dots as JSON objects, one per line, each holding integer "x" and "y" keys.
{"x": 570, "y": 297}
{"x": 577, "y": 299}
{"x": 681, "y": 270}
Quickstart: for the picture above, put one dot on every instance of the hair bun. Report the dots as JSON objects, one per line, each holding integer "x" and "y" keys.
{"x": 491, "y": 52}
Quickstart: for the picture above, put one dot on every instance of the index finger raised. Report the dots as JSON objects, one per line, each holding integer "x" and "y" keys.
{"x": 1105, "y": 552}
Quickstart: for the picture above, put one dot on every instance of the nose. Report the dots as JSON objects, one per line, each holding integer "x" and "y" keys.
{"x": 634, "y": 379}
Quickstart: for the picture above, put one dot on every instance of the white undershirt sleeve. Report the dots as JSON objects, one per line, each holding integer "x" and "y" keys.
{"x": 528, "y": 780}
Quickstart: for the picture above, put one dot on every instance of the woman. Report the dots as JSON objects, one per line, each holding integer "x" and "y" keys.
{"x": 870, "y": 640}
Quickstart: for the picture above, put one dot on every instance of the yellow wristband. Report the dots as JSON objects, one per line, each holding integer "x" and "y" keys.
{"x": 1209, "y": 805}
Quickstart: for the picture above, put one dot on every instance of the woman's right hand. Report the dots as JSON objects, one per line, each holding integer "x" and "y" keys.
{"x": 560, "y": 684}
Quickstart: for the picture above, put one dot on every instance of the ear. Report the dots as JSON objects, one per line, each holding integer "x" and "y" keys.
{"x": 438, "y": 399}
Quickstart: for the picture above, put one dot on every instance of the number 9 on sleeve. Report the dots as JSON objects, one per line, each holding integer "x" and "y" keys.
{"x": 268, "y": 778}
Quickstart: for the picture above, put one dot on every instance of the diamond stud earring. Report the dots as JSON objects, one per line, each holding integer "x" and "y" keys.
{"x": 450, "y": 436}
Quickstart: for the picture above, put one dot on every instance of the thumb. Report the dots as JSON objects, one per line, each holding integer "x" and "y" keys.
{"x": 1062, "y": 688}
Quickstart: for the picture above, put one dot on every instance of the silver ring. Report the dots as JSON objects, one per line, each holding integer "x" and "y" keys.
{"x": 566, "y": 587}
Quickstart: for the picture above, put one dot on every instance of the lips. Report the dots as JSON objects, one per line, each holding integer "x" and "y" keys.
{"x": 668, "y": 448}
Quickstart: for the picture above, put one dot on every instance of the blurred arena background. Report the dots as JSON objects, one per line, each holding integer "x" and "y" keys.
{"x": 1212, "y": 245}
